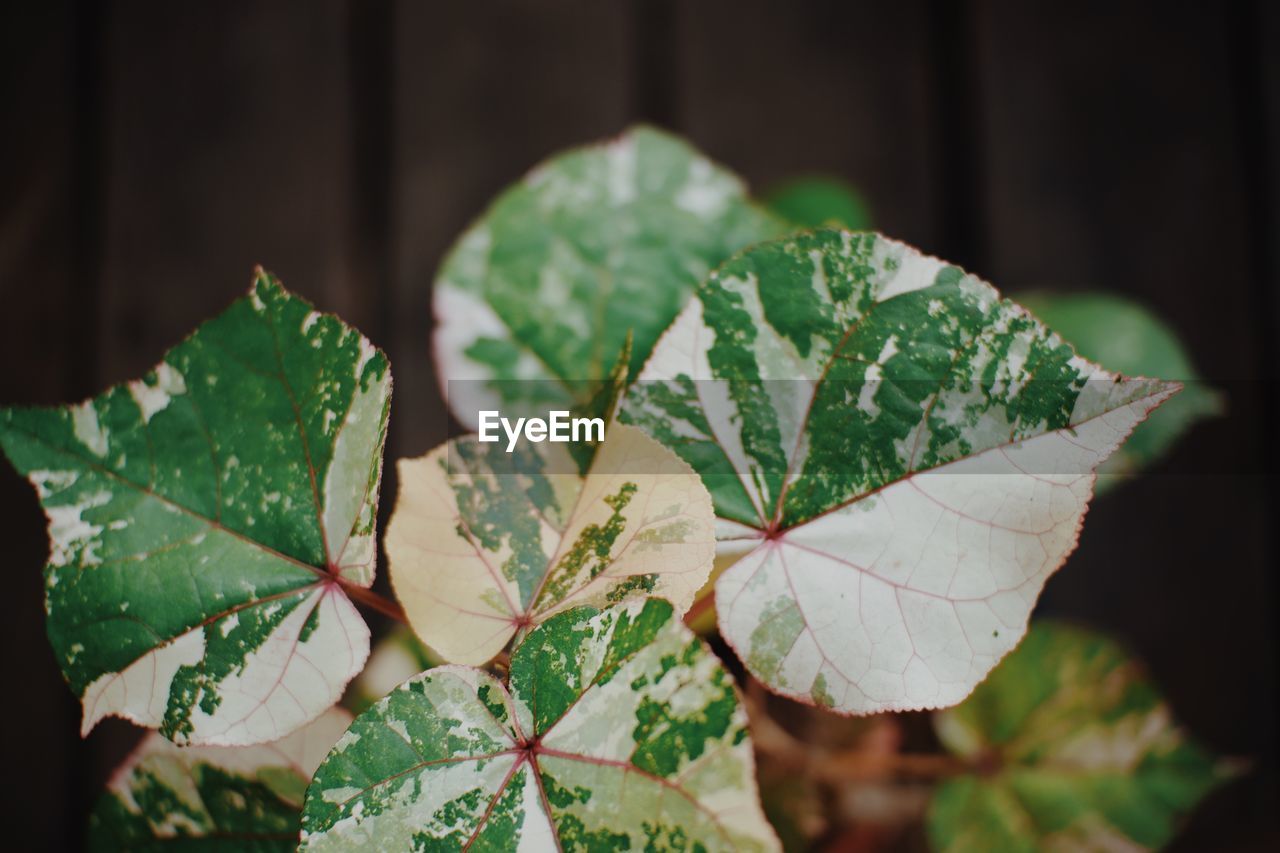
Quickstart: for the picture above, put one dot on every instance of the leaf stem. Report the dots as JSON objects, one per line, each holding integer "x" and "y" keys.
{"x": 842, "y": 766}
{"x": 374, "y": 601}
{"x": 869, "y": 766}
{"x": 700, "y": 605}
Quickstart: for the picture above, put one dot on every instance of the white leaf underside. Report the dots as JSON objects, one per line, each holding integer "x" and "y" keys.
{"x": 908, "y": 604}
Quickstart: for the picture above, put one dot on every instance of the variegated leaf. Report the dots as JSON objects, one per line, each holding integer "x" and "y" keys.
{"x": 485, "y": 543}
{"x": 903, "y": 457}
{"x": 1073, "y": 749}
{"x": 212, "y": 798}
{"x": 206, "y": 519}
{"x": 620, "y": 731}
{"x": 534, "y": 302}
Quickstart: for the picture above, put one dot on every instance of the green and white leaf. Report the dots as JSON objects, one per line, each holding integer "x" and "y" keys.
{"x": 902, "y": 457}
{"x": 205, "y": 519}
{"x": 485, "y": 543}
{"x": 621, "y": 731}
{"x": 1086, "y": 754}
{"x": 535, "y": 301}
{"x": 213, "y": 798}
{"x": 1123, "y": 334}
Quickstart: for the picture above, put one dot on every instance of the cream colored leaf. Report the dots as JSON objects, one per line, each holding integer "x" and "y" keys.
{"x": 484, "y": 544}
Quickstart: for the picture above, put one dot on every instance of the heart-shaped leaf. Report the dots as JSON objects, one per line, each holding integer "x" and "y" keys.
{"x": 903, "y": 456}
{"x": 535, "y": 301}
{"x": 213, "y": 797}
{"x": 206, "y": 519}
{"x": 1077, "y": 751}
{"x": 485, "y": 543}
{"x": 620, "y": 731}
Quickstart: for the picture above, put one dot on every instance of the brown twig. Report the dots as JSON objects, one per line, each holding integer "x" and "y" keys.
{"x": 700, "y": 606}
{"x": 842, "y": 766}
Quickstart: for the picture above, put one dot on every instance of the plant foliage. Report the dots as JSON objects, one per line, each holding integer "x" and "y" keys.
{"x": 1083, "y": 754}
{"x": 205, "y": 521}
{"x": 905, "y": 456}
{"x": 880, "y": 458}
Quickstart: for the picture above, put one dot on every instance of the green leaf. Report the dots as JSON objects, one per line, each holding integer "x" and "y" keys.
{"x": 534, "y": 302}
{"x": 1130, "y": 339}
{"x": 212, "y": 798}
{"x": 901, "y": 456}
{"x": 205, "y": 520}
{"x": 815, "y": 202}
{"x": 620, "y": 731}
{"x": 1085, "y": 754}
{"x": 484, "y": 544}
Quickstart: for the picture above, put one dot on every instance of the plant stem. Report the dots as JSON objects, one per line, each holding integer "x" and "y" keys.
{"x": 374, "y": 601}
{"x": 844, "y": 766}
{"x": 869, "y": 766}
{"x": 700, "y": 606}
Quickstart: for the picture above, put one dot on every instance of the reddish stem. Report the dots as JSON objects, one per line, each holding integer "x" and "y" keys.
{"x": 374, "y": 601}
{"x": 700, "y": 605}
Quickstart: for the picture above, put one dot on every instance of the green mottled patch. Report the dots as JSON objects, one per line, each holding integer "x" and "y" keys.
{"x": 194, "y": 511}
{"x": 502, "y": 499}
{"x": 1087, "y": 753}
{"x": 634, "y": 585}
{"x": 590, "y": 553}
{"x": 621, "y": 731}
{"x": 822, "y": 696}
{"x": 774, "y": 637}
{"x": 595, "y": 245}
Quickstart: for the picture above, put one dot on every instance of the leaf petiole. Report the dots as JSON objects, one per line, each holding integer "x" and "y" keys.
{"x": 374, "y": 601}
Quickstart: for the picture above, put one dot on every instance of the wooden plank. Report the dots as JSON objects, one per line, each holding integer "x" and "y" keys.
{"x": 483, "y": 93}
{"x": 842, "y": 89}
{"x": 1111, "y": 163}
{"x": 1114, "y": 171}
{"x": 39, "y": 330}
{"x": 227, "y": 147}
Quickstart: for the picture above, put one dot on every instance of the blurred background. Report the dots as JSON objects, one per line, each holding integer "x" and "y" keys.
{"x": 153, "y": 153}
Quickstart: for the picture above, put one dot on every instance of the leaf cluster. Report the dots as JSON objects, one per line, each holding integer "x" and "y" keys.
{"x": 861, "y": 461}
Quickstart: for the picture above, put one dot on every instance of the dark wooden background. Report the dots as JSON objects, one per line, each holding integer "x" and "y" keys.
{"x": 151, "y": 153}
